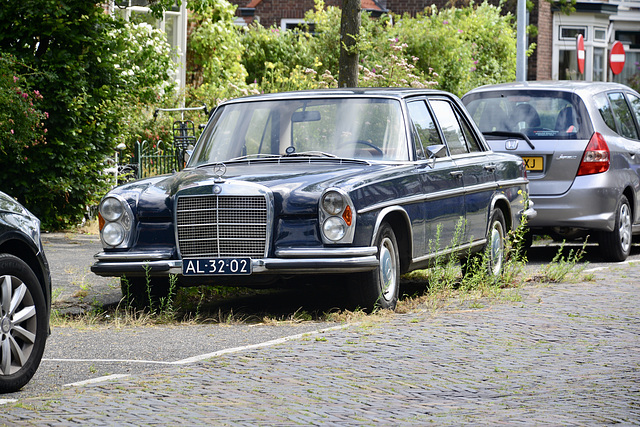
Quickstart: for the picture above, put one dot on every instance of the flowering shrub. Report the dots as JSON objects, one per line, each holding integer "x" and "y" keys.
{"x": 22, "y": 123}
{"x": 143, "y": 60}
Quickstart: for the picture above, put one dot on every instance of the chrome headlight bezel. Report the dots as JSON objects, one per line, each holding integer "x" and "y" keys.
{"x": 117, "y": 222}
{"x": 337, "y": 217}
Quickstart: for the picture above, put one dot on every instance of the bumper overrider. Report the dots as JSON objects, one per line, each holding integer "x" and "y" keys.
{"x": 287, "y": 261}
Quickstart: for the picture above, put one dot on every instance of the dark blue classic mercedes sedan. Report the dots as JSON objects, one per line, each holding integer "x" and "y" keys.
{"x": 360, "y": 185}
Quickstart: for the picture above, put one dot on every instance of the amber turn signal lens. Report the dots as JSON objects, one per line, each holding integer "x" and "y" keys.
{"x": 100, "y": 221}
{"x": 347, "y": 215}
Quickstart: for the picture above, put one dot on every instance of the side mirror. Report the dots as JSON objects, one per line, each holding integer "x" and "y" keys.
{"x": 436, "y": 151}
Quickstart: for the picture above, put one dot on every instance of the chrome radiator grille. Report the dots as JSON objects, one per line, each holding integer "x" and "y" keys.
{"x": 222, "y": 226}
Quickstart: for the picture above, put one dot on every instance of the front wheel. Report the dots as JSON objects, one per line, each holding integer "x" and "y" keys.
{"x": 616, "y": 245}
{"x": 23, "y": 323}
{"x": 491, "y": 259}
{"x": 379, "y": 288}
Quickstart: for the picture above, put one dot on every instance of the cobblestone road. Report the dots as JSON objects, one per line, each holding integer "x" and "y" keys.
{"x": 563, "y": 354}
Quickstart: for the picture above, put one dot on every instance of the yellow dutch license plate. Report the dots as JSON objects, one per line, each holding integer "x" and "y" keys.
{"x": 534, "y": 163}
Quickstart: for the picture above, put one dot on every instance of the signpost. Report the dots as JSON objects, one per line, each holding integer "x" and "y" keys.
{"x": 617, "y": 58}
{"x": 580, "y": 49}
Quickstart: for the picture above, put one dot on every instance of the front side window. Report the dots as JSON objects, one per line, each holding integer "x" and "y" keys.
{"x": 425, "y": 127}
{"x": 358, "y": 128}
{"x": 635, "y": 106}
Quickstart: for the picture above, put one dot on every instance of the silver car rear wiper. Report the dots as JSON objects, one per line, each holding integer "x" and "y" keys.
{"x": 511, "y": 134}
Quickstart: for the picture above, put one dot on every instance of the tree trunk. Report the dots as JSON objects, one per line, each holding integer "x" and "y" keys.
{"x": 349, "y": 30}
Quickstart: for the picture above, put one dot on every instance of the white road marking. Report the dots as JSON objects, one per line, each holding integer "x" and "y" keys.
{"x": 188, "y": 360}
{"x": 96, "y": 380}
{"x": 7, "y": 401}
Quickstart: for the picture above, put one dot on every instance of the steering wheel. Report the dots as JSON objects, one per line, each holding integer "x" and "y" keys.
{"x": 378, "y": 151}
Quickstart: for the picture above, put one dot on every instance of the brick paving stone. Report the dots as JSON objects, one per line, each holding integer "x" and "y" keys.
{"x": 565, "y": 353}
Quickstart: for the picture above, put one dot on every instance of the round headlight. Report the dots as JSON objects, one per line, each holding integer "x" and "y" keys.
{"x": 333, "y": 203}
{"x": 334, "y": 228}
{"x": 113, "y": 234}
{"x": 111, "y": 209}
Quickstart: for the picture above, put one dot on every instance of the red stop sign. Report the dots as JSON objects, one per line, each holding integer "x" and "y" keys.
{"x": 580, "y": 49}
{"x": 616, "y": 58}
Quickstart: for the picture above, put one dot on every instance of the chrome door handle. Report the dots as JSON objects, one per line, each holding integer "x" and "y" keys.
{"x": 456, "y": 174}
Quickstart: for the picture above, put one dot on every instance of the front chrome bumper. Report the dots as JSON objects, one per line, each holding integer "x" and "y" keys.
{"x": 287, "y": 261}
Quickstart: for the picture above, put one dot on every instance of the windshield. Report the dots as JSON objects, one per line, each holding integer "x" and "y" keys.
{"x": 359, "y": 128}
{"x": 537, "y": 114}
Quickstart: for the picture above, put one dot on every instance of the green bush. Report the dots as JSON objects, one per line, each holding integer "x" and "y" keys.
{"x": 465, "y": 48}
{"x": 89, "y": 71}
{"x": 452, "y": 49}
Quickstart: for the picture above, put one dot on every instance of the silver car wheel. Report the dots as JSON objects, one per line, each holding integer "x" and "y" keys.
{"x": 18, "y": 324}
{"x": 624, "y": 227}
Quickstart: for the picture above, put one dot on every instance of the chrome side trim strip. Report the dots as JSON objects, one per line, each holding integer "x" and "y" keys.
{"x": 449, "y": 251}
{"x": 325, "y": 252}
{"x": 133, "y": 256}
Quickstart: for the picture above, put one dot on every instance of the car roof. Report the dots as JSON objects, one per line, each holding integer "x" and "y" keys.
{"x": 395, "y": 93}
{"x": 582, "y": 88}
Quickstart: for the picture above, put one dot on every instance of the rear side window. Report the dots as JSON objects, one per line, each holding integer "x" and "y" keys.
{"x": 616, "y": 113}
{"x": 450, "y": 127}
{"x": 537, "y": 114}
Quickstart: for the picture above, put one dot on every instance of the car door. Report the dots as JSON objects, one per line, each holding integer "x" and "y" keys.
{"x": 441, "y": 183}
{"x": 478, "y": 167}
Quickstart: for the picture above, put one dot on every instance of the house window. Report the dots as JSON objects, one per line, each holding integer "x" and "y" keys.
{"x": 570, "y": 33}
{"x": 297, "y": 25}
{"x": 568, "y": 66}
{"x": 599, "y": 72}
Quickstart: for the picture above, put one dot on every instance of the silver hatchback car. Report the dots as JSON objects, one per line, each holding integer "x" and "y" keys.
{"x": 581, "y": 145}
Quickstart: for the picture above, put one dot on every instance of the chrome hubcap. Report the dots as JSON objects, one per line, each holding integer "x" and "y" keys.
{"x": 387, "y": 269}
{"x": 496, "y": 248}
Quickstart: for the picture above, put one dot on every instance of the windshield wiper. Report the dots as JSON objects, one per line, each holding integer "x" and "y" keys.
{"x": 511, "y": 134}
{"x": 311, "y": 154}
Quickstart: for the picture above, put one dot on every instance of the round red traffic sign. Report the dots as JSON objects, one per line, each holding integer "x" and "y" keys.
{"x": 616, "y": 58}
{"x": 580, "y": 49}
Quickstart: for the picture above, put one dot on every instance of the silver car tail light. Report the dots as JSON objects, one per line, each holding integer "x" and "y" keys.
{"x": 596, "y": 158}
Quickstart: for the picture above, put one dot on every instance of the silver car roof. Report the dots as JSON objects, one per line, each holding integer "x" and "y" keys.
{"x": 581, "y": 88}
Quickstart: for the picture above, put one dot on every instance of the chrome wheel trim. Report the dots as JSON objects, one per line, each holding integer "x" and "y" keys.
{"x": 624, "y": 227}
{"x": 496, "y": 248}
{"x": 18, "y": 324}
{"x": 388, "y": 269}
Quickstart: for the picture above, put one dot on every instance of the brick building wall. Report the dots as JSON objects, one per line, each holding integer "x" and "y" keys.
{"x": 544, "y": 47}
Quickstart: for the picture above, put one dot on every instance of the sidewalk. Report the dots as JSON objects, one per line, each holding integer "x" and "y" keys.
{"x": 75, "y": 288}
{"x": 565, "y": 353}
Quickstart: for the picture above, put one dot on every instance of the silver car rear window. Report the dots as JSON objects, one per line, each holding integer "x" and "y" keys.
{"x": 537, "y": 114}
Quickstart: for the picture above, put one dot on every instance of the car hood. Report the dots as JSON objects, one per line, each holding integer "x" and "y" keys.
{"x": 293, "y": 185}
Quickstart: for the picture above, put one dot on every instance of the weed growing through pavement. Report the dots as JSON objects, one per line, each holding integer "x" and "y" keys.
{"x": 563, "y": 267}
